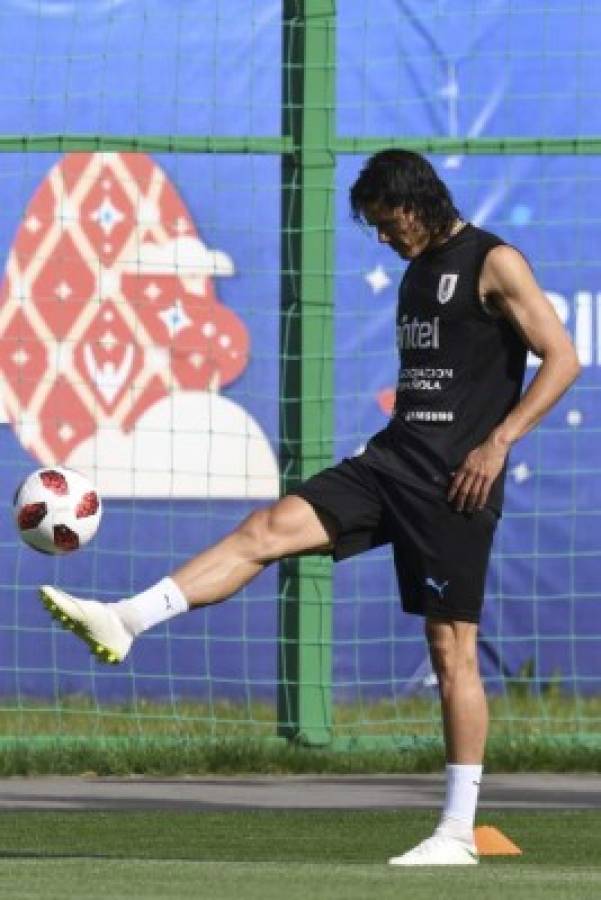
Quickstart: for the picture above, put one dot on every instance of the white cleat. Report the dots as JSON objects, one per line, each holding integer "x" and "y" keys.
{"x": 438, "y": 850}
{"x": 95, "y": 623}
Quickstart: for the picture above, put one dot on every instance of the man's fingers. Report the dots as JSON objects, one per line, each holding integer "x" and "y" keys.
{"x": 471, "y": 483}
{"x": 469, "y": 490}
{"x": 464, "y": 491}
{"x": 483, "y": 493}
{"x": 457, "y": 482}
{"x": 478, "y": 493}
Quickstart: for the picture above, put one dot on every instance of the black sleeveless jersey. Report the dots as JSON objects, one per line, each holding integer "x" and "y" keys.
{"x": 461, "y": 367}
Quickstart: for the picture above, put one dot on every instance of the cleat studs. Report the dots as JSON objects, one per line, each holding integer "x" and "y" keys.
{"x": 78, "y": 628}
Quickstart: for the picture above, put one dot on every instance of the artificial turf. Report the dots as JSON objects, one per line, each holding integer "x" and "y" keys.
{"x": 249, "y": 855}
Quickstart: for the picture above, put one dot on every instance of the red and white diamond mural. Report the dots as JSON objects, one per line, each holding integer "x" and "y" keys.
{"x": 113, "y": 344}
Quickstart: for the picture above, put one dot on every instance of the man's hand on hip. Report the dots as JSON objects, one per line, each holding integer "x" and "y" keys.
{"x": 471, "y": 483}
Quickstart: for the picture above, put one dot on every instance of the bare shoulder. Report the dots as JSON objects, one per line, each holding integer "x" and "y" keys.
{"x": 509, "y": 289}
{"x": 505, "y": 270}
{"x": 506, "y": 277}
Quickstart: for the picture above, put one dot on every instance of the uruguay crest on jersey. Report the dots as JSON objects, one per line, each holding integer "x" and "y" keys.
{"x": 446, "y": 287}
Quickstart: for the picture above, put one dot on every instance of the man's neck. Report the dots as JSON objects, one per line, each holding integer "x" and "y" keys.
{"x": 457, "y": 226}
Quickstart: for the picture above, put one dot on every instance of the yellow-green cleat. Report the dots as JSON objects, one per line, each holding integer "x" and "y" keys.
{"x": 95, "y": 623}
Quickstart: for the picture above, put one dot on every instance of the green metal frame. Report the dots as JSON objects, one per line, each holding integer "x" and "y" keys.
{"x": 284, "y": 144}
{"x": 308, "y": 147}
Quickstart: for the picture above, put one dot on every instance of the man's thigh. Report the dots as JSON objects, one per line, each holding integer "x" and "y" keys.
{"x": 348, "y": 497}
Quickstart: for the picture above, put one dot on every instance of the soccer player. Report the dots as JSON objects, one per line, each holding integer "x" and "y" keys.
{"x": 430, "y": 483}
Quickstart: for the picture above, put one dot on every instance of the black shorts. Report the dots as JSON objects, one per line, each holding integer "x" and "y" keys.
{"x": 441, "y": 555}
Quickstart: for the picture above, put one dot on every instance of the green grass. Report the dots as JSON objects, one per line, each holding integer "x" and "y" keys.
{"x": 544, "y": 714}
{"x": 175, "y": 757}
{"x": 547, "y": 733}
{"x": 264, "y": 854}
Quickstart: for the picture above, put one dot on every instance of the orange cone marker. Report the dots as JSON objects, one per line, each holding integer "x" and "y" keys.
{"x": 492, "y": 842}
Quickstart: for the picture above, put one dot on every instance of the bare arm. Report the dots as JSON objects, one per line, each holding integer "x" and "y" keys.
{"x": 508, "y": 283}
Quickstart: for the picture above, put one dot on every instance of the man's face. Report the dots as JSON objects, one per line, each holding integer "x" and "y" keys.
{"x": 401, "y": 230}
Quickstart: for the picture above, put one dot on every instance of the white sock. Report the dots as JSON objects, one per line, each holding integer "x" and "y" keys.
{"x": 459, "y": 812}
{"x": 159, "y": 603}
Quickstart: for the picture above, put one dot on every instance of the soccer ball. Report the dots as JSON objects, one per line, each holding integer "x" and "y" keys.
{"x": 57, "y": 510}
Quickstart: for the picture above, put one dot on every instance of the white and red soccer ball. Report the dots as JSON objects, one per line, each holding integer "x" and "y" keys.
{"x": 57, "y": 510}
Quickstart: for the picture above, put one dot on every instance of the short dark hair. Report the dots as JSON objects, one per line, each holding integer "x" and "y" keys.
{"x": 400, "y": 178}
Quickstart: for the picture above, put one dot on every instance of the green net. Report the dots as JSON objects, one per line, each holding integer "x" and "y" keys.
{"x": 337, "y": 664}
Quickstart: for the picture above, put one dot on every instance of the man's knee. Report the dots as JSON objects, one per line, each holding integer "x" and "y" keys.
{"x": 453, "y": 650}
{"x": 286, "y": 527}
{"x": 260, "y": 533}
